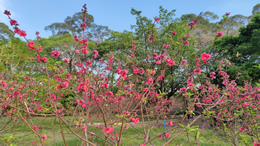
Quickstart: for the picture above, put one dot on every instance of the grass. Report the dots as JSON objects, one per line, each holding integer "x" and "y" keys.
{"x": 21, "y": 135}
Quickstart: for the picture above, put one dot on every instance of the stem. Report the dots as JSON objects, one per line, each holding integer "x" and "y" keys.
{"x": 63, "y": 137}
{"x": 31, "y": 128}
{"x": 74, "y": 132}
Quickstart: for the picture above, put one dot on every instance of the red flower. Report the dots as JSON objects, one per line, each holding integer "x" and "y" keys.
{"x": 136, "y": 120}
{"x": 16, "y": 30}
{"x": 44, "y": 59}
{"x": 22, "y": 33}
{"x": 170, "y": 123}
{"x": 174, "y": 33}
{"x": 135, "y": 70}
{"x": 108, "y": 130}
{"x": 55, "y": 53}
{"x": 88, "y": 63}
{"x": 66, "y": 60}
{"x": 157, "y": 20}
{"x": 241, "y": 128}
{"x": 7, "y": 12}
{"x": 39, "y": 108}
{"x": 151, "y": 38}
{"x": 31, "y": 45}
{"x": 35, "y": 128}
{"x": 197, "y": 70}
{"x": 192, "y": 23}
{"x": 44, "y": 137}
{"x": 219, "y": 34}
{"x": 84, "y": 51}
{"x": 183, "y": 90}
{"x": 13, "y": 22}
{"x": 171, "y": 63}
{"x": 205, "y": 57}
{"x": 183, "y": 62}
{"x": 227, "y": 13}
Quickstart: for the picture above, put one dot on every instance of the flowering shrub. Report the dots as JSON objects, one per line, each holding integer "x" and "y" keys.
{"x": 121, "y": 95}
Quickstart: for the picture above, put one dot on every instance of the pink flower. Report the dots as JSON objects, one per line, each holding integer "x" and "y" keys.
{"x": 219, "y": 34}
{"x": 136, "y": 120}
{"x": 84, "y": 51}
{"x": 167, "y": 134}
{"x": 31, "y": 45}
{"x": 158, "y": 62}
{"x": 135, "y": 70}
{"x": 44, "y": 137}
{"x": 205, "y": 57}
{"x": 241, "y": 128}
{"x": 197, "y": 70}
{"x": 7, "y": 12}
{"x": 34, "y": 142}
{"x": 13, "y": 22}
{"x": 126, "y": 127}
{"x": 227, "y": 13}
{"x": 141, "y": 71}
{"x": 256, "y": 144}
{"x": 183, "y": 89}
{"x": 55, "y": 53}
{"x": 66, "y": 60}
{"x": 76, "y": 51}
{"x": 108, "y": 130}
{"x": 142, "y": 144}
{"x": 170, "y": 123}
{"x": 133, "y": 42}
{"x": 171, "y": 63}
{"x": 186, "y": 42}
{"x": 174, "y": 33}
{"x": 39, "y": 49}
{"x": 191, "y": 24}
{"x": 183, "y": 62}
{"x": 212, "y": 75}
{"x": 35, "y": 128}
{"x": 44, "y": 59}
{"x": 157, "y": 20}
{"x": 88, "y": 63}
{"x": 22, "y": 33}
{"x": 151, "y": 38}
{"x": 39, "y": 108}
{"x": 123, "y": 74}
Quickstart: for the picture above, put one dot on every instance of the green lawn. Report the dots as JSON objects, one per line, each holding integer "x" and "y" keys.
{"x": 21, "y": 135}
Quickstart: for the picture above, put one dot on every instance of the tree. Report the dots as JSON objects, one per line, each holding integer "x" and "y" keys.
{"x": 120, "y": 43}
{"x": 256, "y": 9}
{"x": 70, "y": 25}
{"x": 14, "y": 58}
{"x": 243, "y": 51}
{"x": 5, "y": 32}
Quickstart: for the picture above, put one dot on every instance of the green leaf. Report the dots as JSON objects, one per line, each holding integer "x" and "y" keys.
{"x": 182, "y": 125}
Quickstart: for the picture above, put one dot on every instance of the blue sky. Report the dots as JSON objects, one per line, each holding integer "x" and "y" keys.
{"x": 34, "y": 15}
